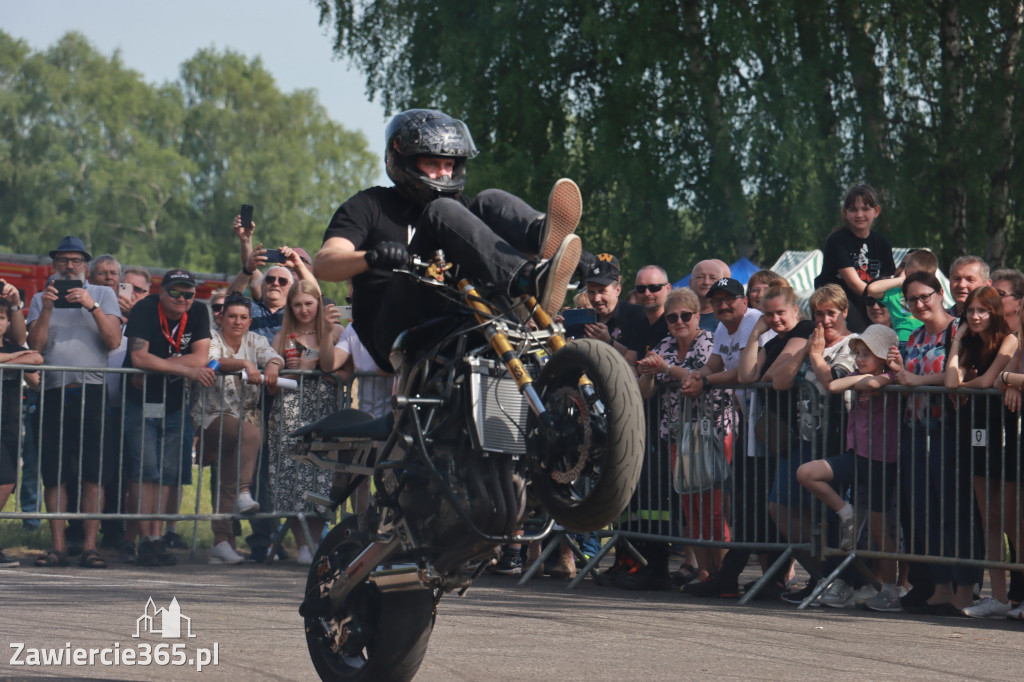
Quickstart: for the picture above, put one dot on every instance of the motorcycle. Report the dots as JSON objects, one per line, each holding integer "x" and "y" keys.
{"x": 496, "y": 419}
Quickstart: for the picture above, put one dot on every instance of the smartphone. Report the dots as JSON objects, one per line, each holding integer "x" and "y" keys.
{"x": 124, "y": 289}
{"x": 62, "y": 286}
{"x": 275, "y": 256}
{"x": 575, "y": 318}
{"x": 346, "y": 312}
{"x": 246, "y": 214}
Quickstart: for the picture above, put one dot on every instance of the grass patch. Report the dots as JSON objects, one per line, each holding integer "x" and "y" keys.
{"x": 14, "y": 537}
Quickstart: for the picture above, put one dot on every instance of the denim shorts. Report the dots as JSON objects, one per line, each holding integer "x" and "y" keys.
{"x": 158, "y": 447}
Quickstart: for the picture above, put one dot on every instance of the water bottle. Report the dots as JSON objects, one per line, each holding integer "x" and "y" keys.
{"x": 214, "y": 365}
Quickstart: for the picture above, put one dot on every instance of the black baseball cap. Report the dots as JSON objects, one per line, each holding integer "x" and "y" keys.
{"x": 172, "y": 277}
{"x": 605, "y": 270}
{"x": 728, "y": 285}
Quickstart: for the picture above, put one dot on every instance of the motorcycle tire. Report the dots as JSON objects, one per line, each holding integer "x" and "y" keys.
{"x": 613, "y": 425}
{"x": 394, "y": 627}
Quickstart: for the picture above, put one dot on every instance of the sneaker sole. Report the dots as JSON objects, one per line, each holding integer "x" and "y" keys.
{"x": 216, "y": 561}
{"x": 563, "y": 265}
{"x": 565, "y": 207}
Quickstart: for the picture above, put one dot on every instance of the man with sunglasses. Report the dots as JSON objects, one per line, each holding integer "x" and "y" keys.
{"x": 652, "y": 287}
{"x": 75, "y": 326}
{"x": 170, "y": 338}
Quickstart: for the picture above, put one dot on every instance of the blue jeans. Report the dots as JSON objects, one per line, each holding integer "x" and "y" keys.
{"x": 159, "y": 449}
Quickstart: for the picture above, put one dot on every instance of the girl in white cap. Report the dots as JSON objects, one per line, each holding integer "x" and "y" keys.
{"x": 871, "y": 438}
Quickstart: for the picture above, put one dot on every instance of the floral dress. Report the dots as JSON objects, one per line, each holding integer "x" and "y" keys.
{"x": 715, "y": 402}
{"x": 316, "y": 397}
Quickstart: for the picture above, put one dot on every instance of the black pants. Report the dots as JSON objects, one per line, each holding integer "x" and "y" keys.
{"x": 485, "y": 240}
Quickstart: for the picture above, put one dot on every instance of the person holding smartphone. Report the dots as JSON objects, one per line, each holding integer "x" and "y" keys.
{"x": 76, "y": 324}
{"x": 616, "y": 319}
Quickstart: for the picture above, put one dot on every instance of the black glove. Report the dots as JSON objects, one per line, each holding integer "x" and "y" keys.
{"x": 388, "y": 256}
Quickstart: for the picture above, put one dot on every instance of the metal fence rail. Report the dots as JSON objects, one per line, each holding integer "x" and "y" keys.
{"x": 91, "y": 428}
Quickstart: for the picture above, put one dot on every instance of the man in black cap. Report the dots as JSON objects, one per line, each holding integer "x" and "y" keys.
{"x": 73, "y": 323}
{"x": 170, "y": 338}
{"x": 616, "y": 319}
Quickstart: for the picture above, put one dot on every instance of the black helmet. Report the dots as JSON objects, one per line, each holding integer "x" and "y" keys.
{"x": 427, "y": 132}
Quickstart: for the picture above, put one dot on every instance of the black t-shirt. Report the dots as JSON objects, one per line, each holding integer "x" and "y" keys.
{"x": 781, "y": 401}
{"x": 371, "y": 217}
{"x": 144, "y": 323}
{"x": 870, "y": 257}
{"x": 624, "y": 320}
{"x": 644, "y": 336}
{"x": 10, "y": 410}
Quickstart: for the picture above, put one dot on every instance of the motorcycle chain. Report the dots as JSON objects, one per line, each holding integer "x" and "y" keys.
{"x": 583, "y": 450}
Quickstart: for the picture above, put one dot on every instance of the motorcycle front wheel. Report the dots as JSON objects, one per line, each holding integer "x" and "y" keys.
{"x": 586, "y": 467}
{"x": 376, "y": 635}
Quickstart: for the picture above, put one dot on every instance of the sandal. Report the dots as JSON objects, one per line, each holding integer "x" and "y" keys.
{"x": 92, "y": 559}
{"x": 52, "y": 559}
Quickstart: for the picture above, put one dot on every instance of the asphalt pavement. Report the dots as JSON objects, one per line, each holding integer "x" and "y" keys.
{"x": 245, "y": 617}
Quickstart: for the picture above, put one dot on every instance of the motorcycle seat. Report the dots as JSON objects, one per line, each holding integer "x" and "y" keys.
{"x": 347, "y": 423}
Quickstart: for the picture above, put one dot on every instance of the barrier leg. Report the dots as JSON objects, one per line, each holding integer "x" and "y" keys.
{"x": 594, "y": 562}
{"x": 768, "y": 575}
{"x": 538, "y": 565}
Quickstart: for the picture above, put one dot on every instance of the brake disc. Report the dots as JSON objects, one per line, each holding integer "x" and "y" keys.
{"x": 571, "y": 395}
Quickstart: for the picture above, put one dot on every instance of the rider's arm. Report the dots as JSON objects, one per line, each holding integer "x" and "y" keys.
{"x": 338, "y": 260}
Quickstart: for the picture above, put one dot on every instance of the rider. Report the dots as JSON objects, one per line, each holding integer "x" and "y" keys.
{"x": 374, "y": 232}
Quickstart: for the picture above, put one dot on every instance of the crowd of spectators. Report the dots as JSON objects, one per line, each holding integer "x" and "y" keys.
{"x": 925, "y": 474}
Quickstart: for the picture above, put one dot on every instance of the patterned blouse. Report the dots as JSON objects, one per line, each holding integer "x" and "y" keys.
{"x": 926, "y": 354}
{"x": 715, "y": 403}
{"x": 225, "y": 397}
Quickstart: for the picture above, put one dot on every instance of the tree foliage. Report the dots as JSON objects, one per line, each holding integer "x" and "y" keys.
{"x": 155, "y": 174}
{"x": 707, "y": 128}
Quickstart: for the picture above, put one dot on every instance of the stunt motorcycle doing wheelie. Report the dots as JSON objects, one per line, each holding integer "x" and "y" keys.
{"x": 495, "y": 418}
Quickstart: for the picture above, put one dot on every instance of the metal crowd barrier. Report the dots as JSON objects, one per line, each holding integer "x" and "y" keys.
{"x": 726, "y": 479}
{"x": 73, "y": 415}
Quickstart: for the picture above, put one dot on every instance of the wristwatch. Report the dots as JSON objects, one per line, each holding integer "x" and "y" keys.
{"x": 95, "y": 305}
{"x": 20, "y": 306}
{"x": 705, "y": 384}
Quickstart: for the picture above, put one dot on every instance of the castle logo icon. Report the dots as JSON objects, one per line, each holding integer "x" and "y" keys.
{"x": 164, "y": 622}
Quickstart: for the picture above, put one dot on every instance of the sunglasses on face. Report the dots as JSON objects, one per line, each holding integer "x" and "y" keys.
{"x": 872, "y": 302}
{"x": 139, "y": 290}
{"x": 178, "y": 293}
{"x": 217, "y": 307}
{"x": 64, "y": 260}
{"x": 279, "y": 281}
{"x": 1004, "y": 294}
{"x": 672, "y": 318}
{"x": 653, "y": 288}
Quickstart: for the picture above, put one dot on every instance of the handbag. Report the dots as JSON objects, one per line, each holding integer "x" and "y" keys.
{"x": 700, "y": 462}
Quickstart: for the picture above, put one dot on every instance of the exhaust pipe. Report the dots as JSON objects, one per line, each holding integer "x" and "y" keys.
{"x": 397, "y": 578}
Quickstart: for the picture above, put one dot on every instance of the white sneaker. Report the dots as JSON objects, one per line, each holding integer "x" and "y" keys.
{"x": 865, "y": 594}
{"x": 305, "y": 557}
{"x": 244, "y": 504}
{"x": 1017, "y": 613}
{"x": 885, "y": 602}
{"x": 988, "y": 607}
{"x": 224, "y": 553}
{"x": 839, "y": 595}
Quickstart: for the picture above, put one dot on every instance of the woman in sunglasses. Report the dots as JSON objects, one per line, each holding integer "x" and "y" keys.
{"x": 306, "y": 341}
{"x": 217, "y": 305}
{"x": 685, "y": 350}
{"x": 936, "y": 502}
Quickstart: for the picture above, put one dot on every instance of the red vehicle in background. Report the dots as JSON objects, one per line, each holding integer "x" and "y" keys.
{"x": 29, "y": 274}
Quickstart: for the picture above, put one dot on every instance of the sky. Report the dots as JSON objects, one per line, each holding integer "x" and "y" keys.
{"x": 155, "y": 38}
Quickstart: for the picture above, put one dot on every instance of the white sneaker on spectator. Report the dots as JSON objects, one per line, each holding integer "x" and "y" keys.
{"x": 988, "y": 607}
{"x": 244, "y": 504}
{"x": 839, "y": 595}
{"x": 305, "y": 557}
{"x": 224, "y": 553}
{"x": 1017, "y": 613}
{"x": 865, "y": 594}
{"x": 847, "y": 535}
{"x": 885, "y": 602}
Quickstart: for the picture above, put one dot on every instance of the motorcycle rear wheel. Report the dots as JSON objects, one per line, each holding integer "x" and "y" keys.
{"x": 388, "y": 636}
{"x": 610, "y": 427}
